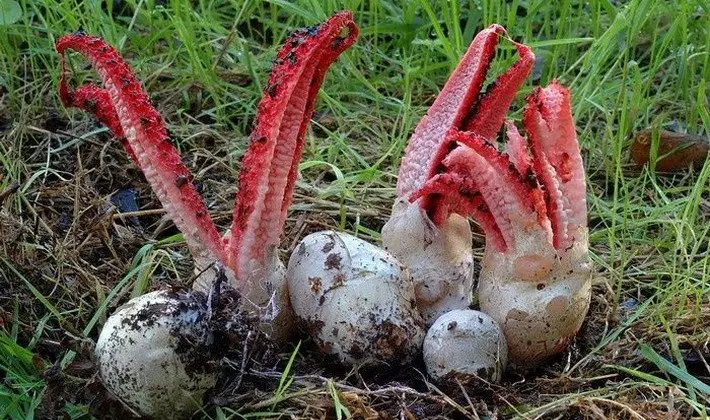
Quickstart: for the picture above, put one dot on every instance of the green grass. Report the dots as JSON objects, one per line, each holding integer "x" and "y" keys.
{"x": 21, "y": 386}
{"x": 630, "y": 66}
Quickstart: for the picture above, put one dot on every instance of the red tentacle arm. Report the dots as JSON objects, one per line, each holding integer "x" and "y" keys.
{"x": 270, "y": 163}
{"x": 517, "y": 149}
{"x": 443, "y": 269}
{"x": 459, "y": 107}
{"x": 95, "y": 101}
{"x": 558, "y": 161}
{"x": 124, "y": 100}
{"x": 458, "y": 193}
{"x": 489, "y": 178}
{"x": 486, "y": 118}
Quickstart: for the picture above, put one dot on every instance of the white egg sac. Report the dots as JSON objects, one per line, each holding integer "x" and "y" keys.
{"x": 440, "y": 258}
{"x": 354, "y": 299}
{"x": 154, "y": 353}
{"x": 466, "y": 345}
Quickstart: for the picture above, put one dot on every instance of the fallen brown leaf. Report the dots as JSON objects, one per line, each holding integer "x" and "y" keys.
{"x": 676, "y": 151}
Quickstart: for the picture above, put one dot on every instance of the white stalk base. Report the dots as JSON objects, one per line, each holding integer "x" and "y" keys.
{"x": 439, "y": 258}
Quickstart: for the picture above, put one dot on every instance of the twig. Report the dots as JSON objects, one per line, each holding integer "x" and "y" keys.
{"x": 138, "y": 213}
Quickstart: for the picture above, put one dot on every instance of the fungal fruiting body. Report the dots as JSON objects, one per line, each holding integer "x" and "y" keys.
{"x": 537, "y": 283}
{"x": 247, "y": 252}
{"x": 156, "y": 352}
{"x": 355, "y": 300}
{"x": 466, "y": 345}
{"x": 529, "y": 197}
{"x": 441, "y": 257}
{"x": 270, "y": 164}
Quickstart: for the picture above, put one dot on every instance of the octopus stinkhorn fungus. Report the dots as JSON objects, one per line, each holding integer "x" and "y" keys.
{"x": 529, "y": 198}
{"x": 434, "y": 242}
{"x": 247, "y": 252}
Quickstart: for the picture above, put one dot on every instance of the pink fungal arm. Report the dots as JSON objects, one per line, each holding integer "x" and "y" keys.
{"x": 466, "y": 174}
{"x": 270, "y": 164}
{"x": 488, "y": 114}
{"x": 459, "y": 193}
{"x": 517, "y": 149}
{"x": 96, "y": 101}
{"x": 458, "y": 106}
{"x": 550, "y": 193}
{"x": 557, "y": 161}
{"x": 126, "y": 109}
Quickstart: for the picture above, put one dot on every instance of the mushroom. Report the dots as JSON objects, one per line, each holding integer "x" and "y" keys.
{"x": 247, "y": 253}
{"x": 466, "y": 345}
{"x": 437, "y": 252}
{"x": 529, "y": 198}
{"x": 452, "y": 169}
{"x": 536, "y": 277}
{"x": 434, "y": 242}
{"x": 355, "y": 300}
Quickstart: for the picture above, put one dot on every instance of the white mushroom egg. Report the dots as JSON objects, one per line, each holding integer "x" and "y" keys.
{"x": 154, "y": 353}
{"x": 539, "y": 295}
{"x": 355, "y": 300}
{"x": 465, "y": 344}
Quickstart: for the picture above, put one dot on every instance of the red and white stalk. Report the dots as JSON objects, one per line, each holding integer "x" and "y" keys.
{"x": 247, "y": 252}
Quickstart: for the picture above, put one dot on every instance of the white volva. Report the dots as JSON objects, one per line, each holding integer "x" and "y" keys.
{"x": 465, "y": 344}
{"x": 440, "y": 258}
{"x": 538, "y": 295}
{"x": 268, "y": 295}
{"x": 355, "y": 300}
{"x": 152, "y": 353}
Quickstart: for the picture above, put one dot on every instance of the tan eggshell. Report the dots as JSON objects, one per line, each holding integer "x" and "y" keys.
{"x": 354, "y": 299}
